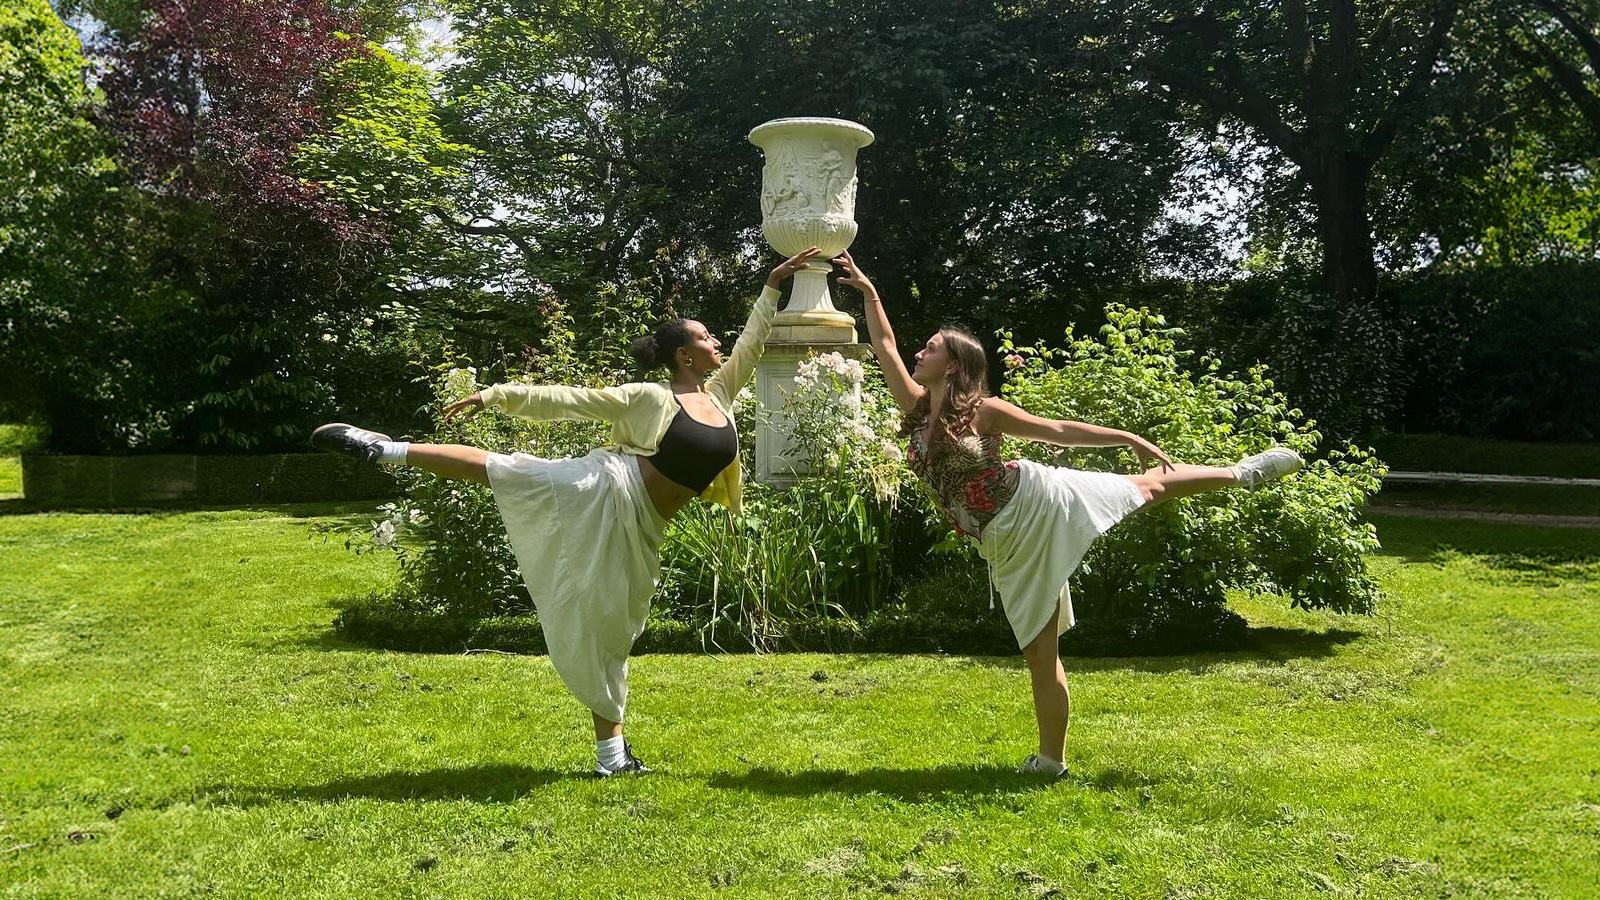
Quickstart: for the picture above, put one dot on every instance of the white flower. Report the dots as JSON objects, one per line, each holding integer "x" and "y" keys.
{"x": 383, "y": 535}
{"x": 892, "y": 451}
{"x": 418, "y": 517}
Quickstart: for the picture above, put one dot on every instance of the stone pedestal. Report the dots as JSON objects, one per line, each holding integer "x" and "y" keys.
{"x": 775, "y": 375}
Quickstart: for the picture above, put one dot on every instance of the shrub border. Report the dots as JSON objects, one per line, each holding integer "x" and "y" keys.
{"x": 61, "y": 480}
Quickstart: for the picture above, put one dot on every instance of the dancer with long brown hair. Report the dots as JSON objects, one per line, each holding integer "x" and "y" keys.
{"x": 1033, "y": 523}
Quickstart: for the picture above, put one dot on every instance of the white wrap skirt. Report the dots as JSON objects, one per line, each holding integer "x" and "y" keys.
{"x": 1035, "y": 543}
{"x": 587, "y": 539}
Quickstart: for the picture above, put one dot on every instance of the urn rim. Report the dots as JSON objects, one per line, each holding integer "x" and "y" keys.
{"x": 862, "y": 134}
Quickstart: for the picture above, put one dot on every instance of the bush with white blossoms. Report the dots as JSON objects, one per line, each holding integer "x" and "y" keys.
{"x": 844, "y": 423}
{"x": 822, "y": 552}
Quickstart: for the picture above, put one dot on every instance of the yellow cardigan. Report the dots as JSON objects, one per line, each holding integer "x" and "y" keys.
{"x": 640, "y": 412}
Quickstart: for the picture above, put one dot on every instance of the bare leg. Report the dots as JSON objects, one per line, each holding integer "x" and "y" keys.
{"x": 1052, "y": 700}
{"x": 605, "y": 729}
{"x": 1181, "y": 481}
{"x": 450, "y": 461}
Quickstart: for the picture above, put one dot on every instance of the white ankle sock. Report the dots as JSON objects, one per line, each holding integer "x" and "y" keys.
{"x": 611, "y": 752}
{"x": 393, "y": 452}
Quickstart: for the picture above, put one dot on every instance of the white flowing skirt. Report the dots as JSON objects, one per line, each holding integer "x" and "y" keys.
{"x": 587, "y": 539}
{"x": 1035, "y": 543}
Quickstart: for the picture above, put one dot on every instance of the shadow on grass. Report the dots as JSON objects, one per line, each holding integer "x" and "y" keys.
{"x": 16, "y": 506}
{"x": 1265, "y": 646}
{"x": 908, "y": 785}
{"x": 485, "y": 784}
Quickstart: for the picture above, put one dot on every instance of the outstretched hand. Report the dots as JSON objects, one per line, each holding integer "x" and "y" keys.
{"x": 791, "y": 265}
{"x": 1149, "y": 454}
{"x": 854, "y": 277}
{"x": 466, "y": 409}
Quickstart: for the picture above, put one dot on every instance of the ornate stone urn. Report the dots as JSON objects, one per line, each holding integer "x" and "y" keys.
{"x": 808, "y": 199}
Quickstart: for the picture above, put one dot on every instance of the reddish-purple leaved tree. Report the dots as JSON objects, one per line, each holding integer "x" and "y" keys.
{"x": 210, "y": 98}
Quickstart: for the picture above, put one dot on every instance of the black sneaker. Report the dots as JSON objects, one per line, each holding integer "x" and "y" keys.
{"x": 337, "y": 437}
{"x": 630, "y": 766}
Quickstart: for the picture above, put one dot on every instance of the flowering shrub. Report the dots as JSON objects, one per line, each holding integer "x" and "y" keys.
{"x": 829, "y": 549}
{"x": 846, "y": 426}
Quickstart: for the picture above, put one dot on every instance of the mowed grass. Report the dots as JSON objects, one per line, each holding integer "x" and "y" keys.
{"x": 175, "y": 720}
{"x": 10, "y": 477}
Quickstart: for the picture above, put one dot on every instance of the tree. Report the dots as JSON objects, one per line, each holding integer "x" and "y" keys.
{"x": 276, "y": 162}
{"x": 1329, "y": 84}
{"x": 57, "y": 189}
{"x": 1549, "y": 24}
{"x": 614, "y": 139}
{"x": 1505, "y": 174}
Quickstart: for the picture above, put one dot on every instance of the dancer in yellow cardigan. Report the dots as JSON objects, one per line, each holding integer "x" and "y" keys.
{"x": 587, "y": 532}
{"x": 1032, "y": 523}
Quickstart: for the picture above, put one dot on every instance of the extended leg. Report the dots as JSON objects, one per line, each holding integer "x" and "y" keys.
{"x": 445, "y": 460}
{"x": 450, "y": 461}
{"x": 1159, "y": 486}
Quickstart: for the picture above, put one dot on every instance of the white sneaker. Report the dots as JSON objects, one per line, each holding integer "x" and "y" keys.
{"x": 630, "y": 765}
{"x": 1037, "y": 763}
{"x": 1268, "y": 465}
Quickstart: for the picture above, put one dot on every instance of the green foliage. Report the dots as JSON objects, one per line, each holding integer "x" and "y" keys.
{"x": 384, "y": 152}
{"x": 846, "y": 556}
{"x": 1168, "y": 569}
{"x": 1453, "y": 355}
{"x": 614, "y": 142}
{"x": 1501, "y": 352}
{"x": 58, "y": 274}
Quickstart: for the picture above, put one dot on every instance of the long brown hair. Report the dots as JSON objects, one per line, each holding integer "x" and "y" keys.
{"x": 966, "y": 387}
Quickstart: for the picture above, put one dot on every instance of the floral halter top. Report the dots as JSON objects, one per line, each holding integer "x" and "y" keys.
{"x": 967, "y": 478}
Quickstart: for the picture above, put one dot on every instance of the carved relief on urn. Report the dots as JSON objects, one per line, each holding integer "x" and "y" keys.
{"x": 808, "y": 199}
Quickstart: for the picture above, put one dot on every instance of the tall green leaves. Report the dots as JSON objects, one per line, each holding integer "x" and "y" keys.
{"x": 56, "y": 202}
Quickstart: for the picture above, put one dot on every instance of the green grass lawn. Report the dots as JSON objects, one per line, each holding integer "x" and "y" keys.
{"x": 15, "y": 439}
{"x": 175, "y": 720}
{"x": 10, "y": 477}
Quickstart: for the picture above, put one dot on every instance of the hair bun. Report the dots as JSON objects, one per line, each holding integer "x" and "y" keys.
{"x": 643, "y": 350}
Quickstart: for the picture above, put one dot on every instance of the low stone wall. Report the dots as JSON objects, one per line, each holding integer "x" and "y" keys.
{"x": 109, "y": 481}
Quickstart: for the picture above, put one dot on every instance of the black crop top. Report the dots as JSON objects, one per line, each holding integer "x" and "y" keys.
{"x": 692, "y": 453}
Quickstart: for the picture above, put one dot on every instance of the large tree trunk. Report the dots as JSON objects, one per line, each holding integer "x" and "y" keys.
{"x": 1338, "y": 182}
